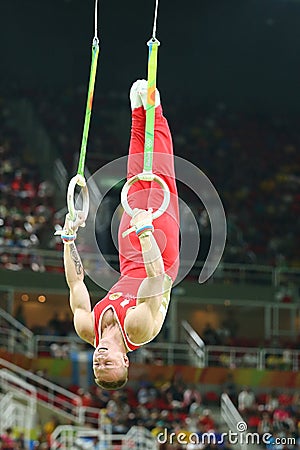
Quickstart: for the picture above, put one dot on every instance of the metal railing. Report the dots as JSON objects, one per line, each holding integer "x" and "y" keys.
{"x": 14, "y": 336}
{"x": 162, "y": 353}
{"x": 258, "y": 358}
{"x": 67, "y": 437}
{"x": 14, "y": 415}
{"x": 15, "y": 341}
{"x": 233, "y": 420}
{"x": 18, "y": 405}
{"x": 225, "y": 272}
{"x": 7, "y": 412}
{"x": 154, "y": 352}
{"x": 52, "y": 396}
{"x": 195, "y": 344}
{"x": 51, "y": 345}
{"x": 232, "y": 356}
{"x": 194, "y": 353}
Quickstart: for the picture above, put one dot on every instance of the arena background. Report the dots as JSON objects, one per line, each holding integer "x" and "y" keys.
{"x": 242, "y": 53}
{"x": 220, "y": 63}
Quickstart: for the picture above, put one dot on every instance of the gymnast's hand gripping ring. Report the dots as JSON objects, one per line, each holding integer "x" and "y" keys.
{"x": 80, "y": 180}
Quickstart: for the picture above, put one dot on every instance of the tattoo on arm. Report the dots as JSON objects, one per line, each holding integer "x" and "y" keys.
{"x": 75, "y": 257}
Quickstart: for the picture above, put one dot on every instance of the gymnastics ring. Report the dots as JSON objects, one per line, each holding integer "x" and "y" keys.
{"x": 146, "y": 177}
{"x": 78, "y": 179}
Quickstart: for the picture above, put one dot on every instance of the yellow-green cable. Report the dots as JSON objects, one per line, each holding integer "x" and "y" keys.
{"x": 150, "y": 109}
{"x": 89, "y": 104}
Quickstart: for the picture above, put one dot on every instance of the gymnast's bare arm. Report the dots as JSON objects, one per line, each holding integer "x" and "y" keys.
{"x": 143, "y": 322}
{"x": 80, "y": 302}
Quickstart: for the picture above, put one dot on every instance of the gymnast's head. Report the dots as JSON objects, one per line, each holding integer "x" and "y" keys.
{"x": 110, "y": 365}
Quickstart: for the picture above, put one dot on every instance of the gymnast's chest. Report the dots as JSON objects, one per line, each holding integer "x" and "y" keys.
{"x": 108, "y": 318}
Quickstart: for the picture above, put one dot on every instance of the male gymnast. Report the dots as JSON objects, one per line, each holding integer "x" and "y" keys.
{"x": 133, "y": 311}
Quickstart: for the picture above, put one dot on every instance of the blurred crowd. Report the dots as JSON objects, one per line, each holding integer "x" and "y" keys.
{"x": 274, "y": 413}
{"x": 26, "y": 202}
{"x": 9, "y": 440}
{"x": 253, "y": 162}
{"x": 170, "y": 408}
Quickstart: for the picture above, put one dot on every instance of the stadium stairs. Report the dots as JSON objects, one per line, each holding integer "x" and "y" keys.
{"x": 27, "y": 398}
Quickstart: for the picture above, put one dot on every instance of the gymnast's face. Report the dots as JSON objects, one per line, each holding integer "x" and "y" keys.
{"x": 110, "y": 365}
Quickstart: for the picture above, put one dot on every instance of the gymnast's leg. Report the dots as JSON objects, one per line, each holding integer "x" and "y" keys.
{"x": 144, "y": 195}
